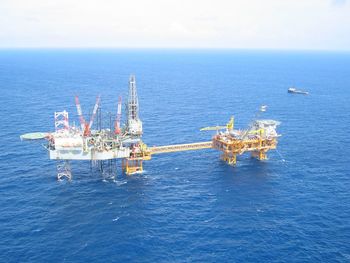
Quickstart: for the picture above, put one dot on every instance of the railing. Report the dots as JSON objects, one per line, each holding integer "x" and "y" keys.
{"x": 180, "y": 147}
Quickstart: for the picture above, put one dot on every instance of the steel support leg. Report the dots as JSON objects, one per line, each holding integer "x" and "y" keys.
{"x": 131, "y": 166}
{"x": 229, "y": 158}
{"x": 260, "y": 155}
{"x": 64, "y": 170}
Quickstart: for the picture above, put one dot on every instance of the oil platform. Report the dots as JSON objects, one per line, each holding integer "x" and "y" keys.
{"x": 69, "y": 142}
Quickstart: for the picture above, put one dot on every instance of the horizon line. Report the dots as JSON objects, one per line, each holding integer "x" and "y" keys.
{"x": 177, "y": 48}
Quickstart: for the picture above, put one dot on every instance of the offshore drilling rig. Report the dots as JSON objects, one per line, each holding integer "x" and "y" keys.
{"x": 69, "y": 142}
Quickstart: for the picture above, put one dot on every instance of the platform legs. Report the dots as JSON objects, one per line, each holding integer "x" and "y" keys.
{"x": 260, "y": 155}
{"x": 230, "y": 158}
{"x": 64, "y": 170}
{"x": 132, "y": 165}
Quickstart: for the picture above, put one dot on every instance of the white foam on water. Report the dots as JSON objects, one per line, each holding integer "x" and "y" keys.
{"x": 119, "y": 183}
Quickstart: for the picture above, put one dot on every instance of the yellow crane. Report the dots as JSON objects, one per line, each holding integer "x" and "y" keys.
{"x": 229, "y": 126}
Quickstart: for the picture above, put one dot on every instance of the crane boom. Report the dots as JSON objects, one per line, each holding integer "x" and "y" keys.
{"x": 213, "y": 128}
{"x": 119, "y": 116}
{"x": 94, "y": 111}
{"x": 80, "y": 113}
{"x": 229, "y": 126}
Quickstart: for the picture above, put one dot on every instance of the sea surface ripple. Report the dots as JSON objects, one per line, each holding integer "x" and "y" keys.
{"x": 190, "y": 206}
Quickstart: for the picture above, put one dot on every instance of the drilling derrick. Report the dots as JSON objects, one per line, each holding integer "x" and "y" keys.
{"x": 133, "y": 163}
{"x": 134, "y": 124}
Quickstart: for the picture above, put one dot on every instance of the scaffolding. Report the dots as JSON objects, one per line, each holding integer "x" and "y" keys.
{"x": 63, "y": 170}
{"x": 61, "y": 121}
{"x": 132, "y": 165}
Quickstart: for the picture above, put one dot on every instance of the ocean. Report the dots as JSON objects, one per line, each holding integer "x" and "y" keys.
{"x": 186, "y": 206}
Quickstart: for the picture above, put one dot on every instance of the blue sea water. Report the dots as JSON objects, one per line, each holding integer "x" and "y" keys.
{"x": 189, "y": 206}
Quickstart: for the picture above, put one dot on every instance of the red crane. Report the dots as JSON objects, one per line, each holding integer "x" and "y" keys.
{"x": 80, "y": 113}
{"x": 86, "y": 127}
{"x": 119, "y": 116}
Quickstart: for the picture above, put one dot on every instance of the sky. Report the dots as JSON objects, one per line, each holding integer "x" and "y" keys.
{"x": 243, "y": 24}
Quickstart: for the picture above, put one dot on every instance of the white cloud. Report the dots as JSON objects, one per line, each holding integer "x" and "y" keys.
{"x": 312, "y": 24}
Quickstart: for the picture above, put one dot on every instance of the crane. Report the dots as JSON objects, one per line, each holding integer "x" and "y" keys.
{"x": 119, "y": 116}
{"x": 229, "y": 126}
{"x": 80, "y": 113}
{"x": 86, "y": 127}
{"x": 87, "y": 130}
